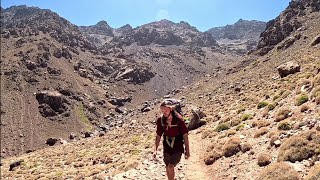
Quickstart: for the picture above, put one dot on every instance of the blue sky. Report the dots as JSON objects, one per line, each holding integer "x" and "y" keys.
{"x": 203, "y": 14}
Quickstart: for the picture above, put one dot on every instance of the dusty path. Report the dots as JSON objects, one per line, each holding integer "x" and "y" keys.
{"x": 195, "y": 167}
{"x": 191, "y": 169}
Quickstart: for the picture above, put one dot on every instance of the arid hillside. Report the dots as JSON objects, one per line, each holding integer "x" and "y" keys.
{"x": 57, "y": 81}
{"x": 252, "y": 117}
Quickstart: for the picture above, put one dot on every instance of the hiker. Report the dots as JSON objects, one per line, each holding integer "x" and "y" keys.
{"x": 175, "y": 136}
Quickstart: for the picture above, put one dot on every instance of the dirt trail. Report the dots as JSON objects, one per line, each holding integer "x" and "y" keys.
{"x": 191, "y": 169}
{"x": 195, "y": 167}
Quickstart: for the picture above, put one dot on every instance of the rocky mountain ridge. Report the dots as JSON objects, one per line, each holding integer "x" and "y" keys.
{"x": 69, "y": 84}
{"x": 240, "y": 37}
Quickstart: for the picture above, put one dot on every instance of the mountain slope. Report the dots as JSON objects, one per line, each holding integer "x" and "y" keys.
{"x": 56, "y": 81}
{"x": 240, "y": 37}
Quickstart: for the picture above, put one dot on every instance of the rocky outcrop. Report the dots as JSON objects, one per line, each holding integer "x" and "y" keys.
{"x": 51, "y": 103}
{"x": 26, "y": 21}
{"x": 242, "y": 29}
{"x": 288, "y": 68}
{"x": 285, "y": 24}
{"x": 135, "y": 74}
{"x": 165, "y": 33}
{"x": 240, "y": 37}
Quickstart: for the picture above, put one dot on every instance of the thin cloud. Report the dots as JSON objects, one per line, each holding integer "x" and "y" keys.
{"x": 162, "y": 14}
{"x": 163, "y": 3}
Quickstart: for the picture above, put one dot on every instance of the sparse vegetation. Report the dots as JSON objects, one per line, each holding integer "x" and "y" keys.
{"x": 240, "y": 127}
{"x": 304, "y": 108}
{"x": 264, "y": 159}
{"x": 261, "y": 132}
{"x": 284, "y": 126}
{"x": 300, "y": 147}
{"x": 222, "y": 127}
{"x": 271, "y": 106}
{"x": 231, "y": 147}
{"x": 276, "y": 171}
{"x": 314, "y": 173}
{"x": 262, "y": 104}
{"x": 81, "y": 114}
{"x": 303, "y": 98}
{"x": 211, "y": 157}
{"x": 246, "y": 147}
{"x": 245, "y": 117}
{"x": 282, "y": 114}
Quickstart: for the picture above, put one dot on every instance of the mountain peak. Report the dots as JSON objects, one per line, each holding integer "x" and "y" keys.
{"x": 103, "y": 24}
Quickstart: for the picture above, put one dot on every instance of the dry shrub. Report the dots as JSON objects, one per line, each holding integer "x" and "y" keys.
{"x": 264, "y": 159}
{"x": 235, "y": 122}
{"x": 222, "y": 127}
{"x": 273, "y": 133}
{"x": 246, "y": 147}
{"x": 231, "y": 132}
{"x": 301, "y": 99}
{"x": 315, "y": 92}
{"x": 316, "y": 80}
{"x": 263, "y": 123}
{"x": 314, "y": 173}
{"x": 301, "y": 83}
{"x": 211, "y": 157}
{"x": 231, "y": 147}
{"x": 285, "y": 94}
{"x": 300, "y": 147}
{"x": 261, "y": 132}
{"x": 265, "y": 112}
{"x": 282, "y": 114}
{"x": 285, "y": 126}
{"x": 245, "y": 117}
{"x": 279, "y": 171}
{"x": 304, "y": 108}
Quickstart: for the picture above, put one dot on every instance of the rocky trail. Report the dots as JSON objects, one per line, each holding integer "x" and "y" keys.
{"x": 191, "y": 169}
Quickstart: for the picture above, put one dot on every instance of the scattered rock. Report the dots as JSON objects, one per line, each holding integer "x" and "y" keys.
{"x": 290, "y": 67}
{"x": 51, "y": 141}
{"x": 195, "y": 119}
{"x": 15, "y": 164}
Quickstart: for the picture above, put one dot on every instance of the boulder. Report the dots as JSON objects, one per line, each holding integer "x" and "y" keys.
{"x": 119, "y": 101}
{"x": 195, "y": 119}
{"x": 290, "y": 67}
{"x": 15, "y": 164}
{"x": 51, "y": 103}
{"x": 51, "y": 141}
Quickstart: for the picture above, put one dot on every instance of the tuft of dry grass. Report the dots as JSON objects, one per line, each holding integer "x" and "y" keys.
{"x": 300, "y": 147}
{"x": 231, "y": 147}
{"x": 264, "y": 159}
{"x": 246, "y": 147}
{"x": 284, "y": 126}
{"x": 301, "y": 99}
{"x": 261, "y": 132}
{"x": 276, "y": 171}
{"x": 314, "y": 173}
{"x": 282, "y": 114}
{"x": 211, "y": 157}
{"x": 304, "y": 108}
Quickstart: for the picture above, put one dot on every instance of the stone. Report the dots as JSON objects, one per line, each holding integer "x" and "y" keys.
{"x": 15, "y": 164}
{"x": 290, "y": 67}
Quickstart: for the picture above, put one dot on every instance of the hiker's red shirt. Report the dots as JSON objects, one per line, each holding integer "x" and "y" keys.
{"x": 173, "y": 131}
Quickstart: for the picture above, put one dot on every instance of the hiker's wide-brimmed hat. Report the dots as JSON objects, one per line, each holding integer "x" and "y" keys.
{"x": 169, "y": 103}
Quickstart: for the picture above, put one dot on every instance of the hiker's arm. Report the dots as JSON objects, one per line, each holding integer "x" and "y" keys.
{"x": 158, "y": 138}
{"x": 186, "y": 144}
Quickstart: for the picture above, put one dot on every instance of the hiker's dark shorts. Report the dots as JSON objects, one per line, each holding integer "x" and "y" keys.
{"x": 173, "y": 159}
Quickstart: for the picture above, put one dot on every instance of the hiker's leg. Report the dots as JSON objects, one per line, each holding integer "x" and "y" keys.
{"x": 168, "y": 173}
{"x": 171, "y": 171}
